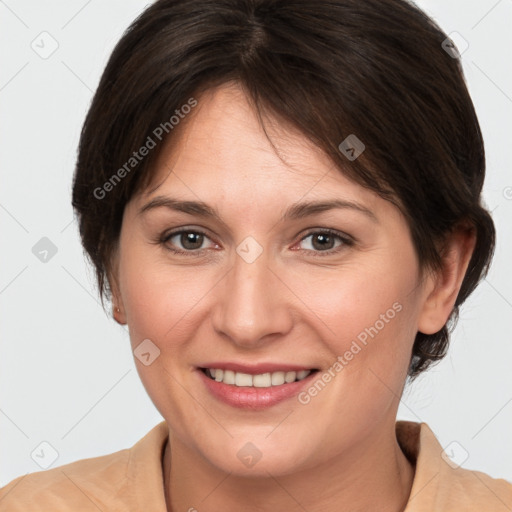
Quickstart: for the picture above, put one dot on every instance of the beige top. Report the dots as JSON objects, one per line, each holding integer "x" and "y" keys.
{"x": 131, "y": 480}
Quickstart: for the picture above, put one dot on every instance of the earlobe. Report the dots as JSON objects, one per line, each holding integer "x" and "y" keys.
{"x": 118, "y": 314}
{"x": 117, "y": 302}
{"x": 112, "y": 276}
{"x": 446, "y": 282}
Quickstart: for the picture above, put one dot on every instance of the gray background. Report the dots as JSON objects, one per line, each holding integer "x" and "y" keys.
{"x": 67, "y": 375}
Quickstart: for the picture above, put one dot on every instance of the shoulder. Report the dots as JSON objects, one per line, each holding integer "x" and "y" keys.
{"x": 110, "y": 482}
{"x": 477, "y": 490}
{"x": 83, "y": 484}
{"x": 440, "y": 483}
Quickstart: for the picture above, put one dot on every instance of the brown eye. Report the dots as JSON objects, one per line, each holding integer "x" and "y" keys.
{"x": 191, "y": 240}
{"x": 186, "y": 241}
{"x": 328, "y": 242}
{"x": 321, "y": 241}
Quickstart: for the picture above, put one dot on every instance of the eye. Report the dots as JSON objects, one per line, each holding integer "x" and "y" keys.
{"x": 186, "y": 241}
{"x": 325, "y": 241}
{"x": 193, "y": 242}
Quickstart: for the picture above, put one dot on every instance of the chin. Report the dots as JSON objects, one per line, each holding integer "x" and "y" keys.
{"x": 257, "y": 456}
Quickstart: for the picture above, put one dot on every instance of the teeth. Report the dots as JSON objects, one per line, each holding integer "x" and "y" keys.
{"x": 262, "y": 380}
{"x": 277, "y": 378}
{"x": 290, "y": 377}
{"x": 228, "y": 377}
{"x": 243, "y": 379}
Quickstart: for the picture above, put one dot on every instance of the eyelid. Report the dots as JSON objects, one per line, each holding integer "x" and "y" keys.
{"x": 169, "y": 234}
{"x": 334, "y": 232}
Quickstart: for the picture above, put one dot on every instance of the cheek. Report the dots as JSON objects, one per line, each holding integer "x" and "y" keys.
{"x": 367, "y": 314}
{"x": 162, "y": 303}
{"x": 358, "y": 301}
{"x": 159, "y": 299}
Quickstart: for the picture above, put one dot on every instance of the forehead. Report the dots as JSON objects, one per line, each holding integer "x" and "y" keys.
{"x": 225, "y": 152}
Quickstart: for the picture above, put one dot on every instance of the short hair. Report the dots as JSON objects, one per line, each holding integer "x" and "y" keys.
{"x": 376, "y": 69}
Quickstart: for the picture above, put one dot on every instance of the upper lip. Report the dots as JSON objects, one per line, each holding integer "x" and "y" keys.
{"x": 256, "y": 369}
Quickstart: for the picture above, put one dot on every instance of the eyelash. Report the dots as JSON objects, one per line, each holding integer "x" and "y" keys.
{"x": 345, "y": 239}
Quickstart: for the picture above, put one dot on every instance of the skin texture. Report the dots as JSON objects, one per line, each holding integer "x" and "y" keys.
{"x": 288, "y": 306}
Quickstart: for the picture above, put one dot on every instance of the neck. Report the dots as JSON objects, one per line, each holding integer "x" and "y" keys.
{"x": 376, "y": 476}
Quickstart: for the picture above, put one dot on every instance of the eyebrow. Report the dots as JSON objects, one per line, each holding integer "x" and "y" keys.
{"x": 295, "y": 211}
{"x": 301, "y": 210}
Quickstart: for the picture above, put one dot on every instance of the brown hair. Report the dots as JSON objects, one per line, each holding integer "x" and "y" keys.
{"x": 332, "y": 68}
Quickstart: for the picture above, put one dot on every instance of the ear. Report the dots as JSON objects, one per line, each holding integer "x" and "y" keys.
{"x": 118, "y": 311}
{"x": 444, "y": 285}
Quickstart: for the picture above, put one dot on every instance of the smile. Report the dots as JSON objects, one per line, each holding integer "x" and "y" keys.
{"x": 262, "y": 380}
{"x": 264, "y": 387}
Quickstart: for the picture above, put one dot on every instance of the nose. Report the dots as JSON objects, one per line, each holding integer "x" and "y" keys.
{"x": 253, "y": 305}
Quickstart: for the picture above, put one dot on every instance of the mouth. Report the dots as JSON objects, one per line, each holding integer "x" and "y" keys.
{"x": 254, "y": 388}
{"x": 260, "y": 380}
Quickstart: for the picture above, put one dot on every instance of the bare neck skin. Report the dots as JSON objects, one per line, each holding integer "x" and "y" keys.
{"x": 374, "y": 476}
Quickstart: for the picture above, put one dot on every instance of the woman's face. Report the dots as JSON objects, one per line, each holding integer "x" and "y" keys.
{"x": 265, "y": 283}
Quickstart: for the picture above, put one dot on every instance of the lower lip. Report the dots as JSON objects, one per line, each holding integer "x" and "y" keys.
{"x": 251, "y": 397}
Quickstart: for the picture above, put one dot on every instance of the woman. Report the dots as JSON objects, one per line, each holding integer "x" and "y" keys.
{"x": 281, "y": 200}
